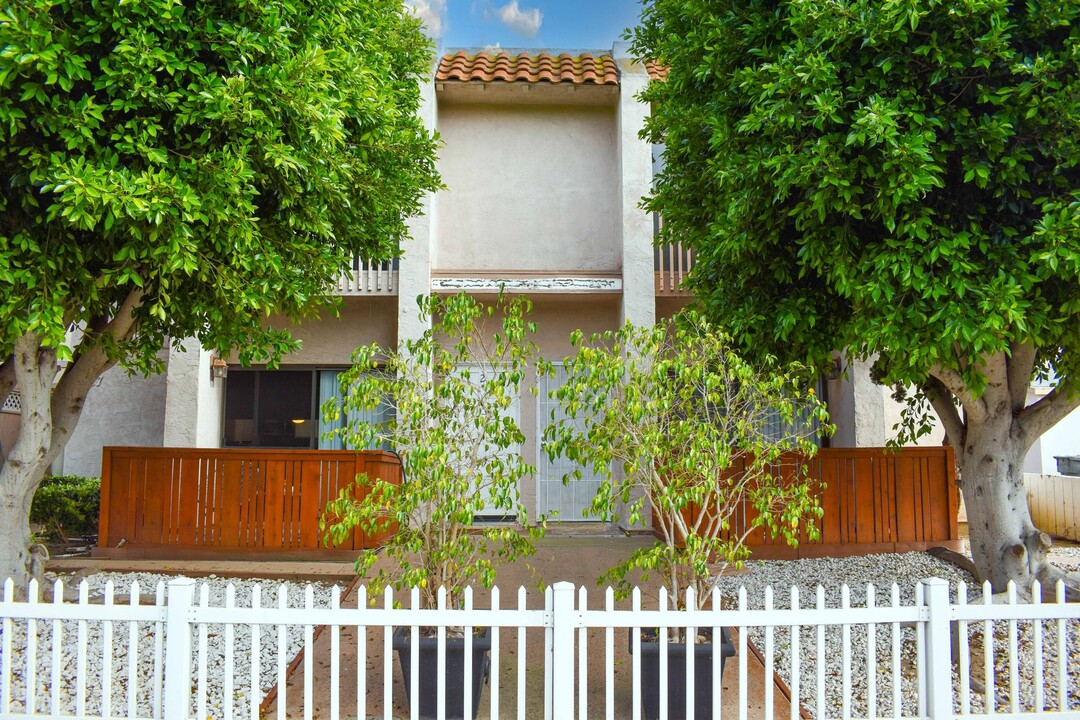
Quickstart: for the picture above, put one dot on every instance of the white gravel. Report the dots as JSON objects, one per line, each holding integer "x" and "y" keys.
{"x": 906, "y": 570}
{"x": 146, "y": 634}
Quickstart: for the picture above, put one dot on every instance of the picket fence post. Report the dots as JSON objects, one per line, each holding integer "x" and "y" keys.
{"x": 938, "y": 672}
{"x": 562, "y": 651}
{"x": 177, "y": 699}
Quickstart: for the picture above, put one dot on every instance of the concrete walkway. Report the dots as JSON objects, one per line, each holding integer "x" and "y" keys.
{"x": 577, "y": 556}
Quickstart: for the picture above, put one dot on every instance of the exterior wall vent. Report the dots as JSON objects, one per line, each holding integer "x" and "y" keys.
{"x": 13, "y": 403}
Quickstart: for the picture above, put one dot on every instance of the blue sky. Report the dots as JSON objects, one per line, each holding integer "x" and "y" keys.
{"x": 594, "y": 24}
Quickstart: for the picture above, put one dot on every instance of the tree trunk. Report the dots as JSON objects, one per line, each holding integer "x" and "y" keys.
{"x": 29, "y": 459}
{"x": 50, "y": 411}
{"x": 1004, "y": 544}
{"x": 19, "y": 559}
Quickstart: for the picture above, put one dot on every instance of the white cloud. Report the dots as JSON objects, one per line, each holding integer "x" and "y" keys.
{"x": 432, "y": 13}
{"x": 523, "y": 22}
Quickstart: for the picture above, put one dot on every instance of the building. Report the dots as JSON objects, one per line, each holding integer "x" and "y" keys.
{"x": 544, "y": 171}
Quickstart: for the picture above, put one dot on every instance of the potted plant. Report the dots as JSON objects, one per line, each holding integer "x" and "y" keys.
{"x": 676, "y": 423}
{"x": 450, "y": 393}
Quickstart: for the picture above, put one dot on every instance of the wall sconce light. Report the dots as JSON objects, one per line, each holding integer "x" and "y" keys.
{"x": 219, "y": 369}
{"x": 835, "y": 370}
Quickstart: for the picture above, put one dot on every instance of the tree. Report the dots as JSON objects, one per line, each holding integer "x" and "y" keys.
{"x": 450, "y": 392}
{"x": 179, "y": 170}
{"x": 671, "y": 416}
{"x": 900, "y": 180}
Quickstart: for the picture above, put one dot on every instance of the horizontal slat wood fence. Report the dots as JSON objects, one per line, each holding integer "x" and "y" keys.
{"x": 873, "y": 500}
{"x": 188, "y": 501}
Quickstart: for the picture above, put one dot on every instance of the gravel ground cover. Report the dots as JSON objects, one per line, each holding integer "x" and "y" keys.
{"x": 906, "y": 570}
{"x": 146, "y": 634}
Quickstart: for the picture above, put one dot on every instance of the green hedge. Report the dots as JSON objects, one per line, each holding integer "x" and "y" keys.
{"x": 66, "y": 505}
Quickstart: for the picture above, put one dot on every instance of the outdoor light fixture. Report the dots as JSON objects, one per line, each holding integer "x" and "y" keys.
{"x": 219, "y": 369}
{"x": 836, "y": 369}
{"x": 299, "y": 421}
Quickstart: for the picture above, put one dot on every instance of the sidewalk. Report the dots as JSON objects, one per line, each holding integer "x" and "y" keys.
{"x": 341, "y": 572}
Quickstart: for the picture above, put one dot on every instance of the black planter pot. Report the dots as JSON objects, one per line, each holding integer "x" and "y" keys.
{"x": 676, "y": 675}
{"x": 454, "y": 676}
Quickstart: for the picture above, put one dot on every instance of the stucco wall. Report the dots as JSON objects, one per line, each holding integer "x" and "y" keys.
{"x": 528, "y": 188}
{"x": 864, "y": 412}
{"x": 1062, "y": 439}
{"x": 636, "y": 174}
{"x": 120, "y": 410}
{"x": 9, "y": 432}
{"x": 331, "y": 340}
{"x": 193, "y": 399}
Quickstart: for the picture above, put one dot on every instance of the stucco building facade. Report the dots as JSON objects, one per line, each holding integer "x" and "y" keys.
{"x": 544, "y": 170}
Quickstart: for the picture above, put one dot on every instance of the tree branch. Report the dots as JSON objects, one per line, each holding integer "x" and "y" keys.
{"x": 1021, "y": 362}
{"x": 974, "y": 407}
{"x": 1036, "y": 419}
{"x": 997, "y": 396}
{"x": 78, "y": 377}
{"x": 942, "y": 402}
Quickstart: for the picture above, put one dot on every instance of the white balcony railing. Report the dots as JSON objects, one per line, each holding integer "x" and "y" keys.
{"x": 368, "y": 278}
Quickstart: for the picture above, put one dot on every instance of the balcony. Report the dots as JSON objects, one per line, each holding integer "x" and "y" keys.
{"x": 672, "y": 264}
{"x": 370, "y": 278}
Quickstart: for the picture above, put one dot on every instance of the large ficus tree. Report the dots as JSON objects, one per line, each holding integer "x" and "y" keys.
{"x": 900, "y": 180}
{"x": 178, "y": 170}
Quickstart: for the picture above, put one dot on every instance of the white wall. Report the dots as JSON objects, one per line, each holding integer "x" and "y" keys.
{"x": 120, "y": 410}
{"x": 865, "y": 412}
{"x": 529, "y": 187}
{"x": 636, "y": 173}
{"x": 193, "y": 401}
{"x": 1062, "y": 439}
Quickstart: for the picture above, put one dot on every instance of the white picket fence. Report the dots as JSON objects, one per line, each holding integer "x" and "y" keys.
{"x": 175, "y": 654}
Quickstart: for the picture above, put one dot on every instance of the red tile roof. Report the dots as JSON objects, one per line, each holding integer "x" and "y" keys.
{"x": 656, "y": 70}
{"x": 583, "y": 69}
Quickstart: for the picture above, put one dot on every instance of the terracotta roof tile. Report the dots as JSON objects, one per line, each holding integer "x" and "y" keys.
{"x": 583, "y": 69}
{"x": 656, "y": 70}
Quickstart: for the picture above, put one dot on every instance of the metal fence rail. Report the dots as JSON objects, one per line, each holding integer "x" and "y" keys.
{"x": 174, "y": 653}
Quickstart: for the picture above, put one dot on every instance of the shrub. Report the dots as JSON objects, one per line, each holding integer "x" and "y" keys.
{"x": 67, "y": 505}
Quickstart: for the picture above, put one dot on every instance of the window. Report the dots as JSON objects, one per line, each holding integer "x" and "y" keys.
{"x": 329, "y": 387}
{"x": 281, "y": 408}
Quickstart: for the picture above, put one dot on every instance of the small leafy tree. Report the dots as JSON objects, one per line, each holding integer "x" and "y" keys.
{"x": 673, "y": 420}
{"x": 450, "y": 392}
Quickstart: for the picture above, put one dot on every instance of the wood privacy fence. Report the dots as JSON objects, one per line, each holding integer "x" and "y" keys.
{"x": 190, "y": 501}
{"x": 873, "y": 500}
{"x": 1054, "y": 503}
